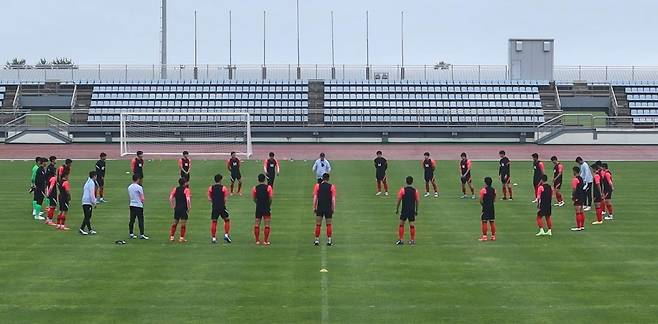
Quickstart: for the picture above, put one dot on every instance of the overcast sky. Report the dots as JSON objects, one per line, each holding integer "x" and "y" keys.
{"x": 587, "y": 32}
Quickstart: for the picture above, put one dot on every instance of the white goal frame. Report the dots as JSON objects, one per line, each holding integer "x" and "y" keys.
{"x": 124, "y": 140}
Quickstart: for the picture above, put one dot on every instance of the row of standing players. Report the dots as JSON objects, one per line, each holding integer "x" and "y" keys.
{"x": 52, "y": 184}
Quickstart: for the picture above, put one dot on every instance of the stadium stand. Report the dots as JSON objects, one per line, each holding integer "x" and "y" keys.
{"x": 2, "y": 95}
{"x": 451, "y": 103}
{"x": 267, "y": 102}
{"x": 643, "y": 103}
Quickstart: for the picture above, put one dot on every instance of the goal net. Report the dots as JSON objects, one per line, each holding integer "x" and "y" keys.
{"x": 171, "y": 133}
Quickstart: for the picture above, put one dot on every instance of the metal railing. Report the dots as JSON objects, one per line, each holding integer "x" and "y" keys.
{"x": 35, "y": 121}
{"x": 17, "y": 96}
{"x": 446, "y": 72}
{"x": 613, "y": 101}
{"x": 74, "y": 98}
{"x": 558, "y": 101}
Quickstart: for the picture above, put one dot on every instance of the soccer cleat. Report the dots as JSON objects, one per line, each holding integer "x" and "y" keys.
{"x": 504, "y": 198}
{"x": 378, "y": 193}
{"x": 549, "y": 232}
{"x": 330, "y": 244}
{"x": 82, "y": 232}
{"x": 412, "y": 242}
{"x": 38, "y": 218}
{"x": 587, "y": 208}
{"x": 473, "y": 197}
{"x": 510, "y": 198}
{"x": 316, "y": 242}
{"x": 576, "y": 229}
{"x": 427, "y": 194}
{"x": 41, "y": 214}
{"x": 483, "y": 238}
{"x": 541, "y": 232}
{"x": 132, "y": 236}
{"x": 227, "y": 238}
{"x": 462, "y": 197}
{"x": 92, "y": 232}
{"x": 603, "y": 213}
{"x": 597, "y": 222}
{"x": 493, "y": 237}
{"x": 534, "y": 201}
{"x": 213, "y": 240}
{"x": 182, "y": 240}
{"x": 267, "y": 243}
{"x": 559, "y": 204}
{"x": 399, "y": 242}
{"x": 171, "y": 238}
{"x": 143, "y": 237}
{"x": 103, "y": 200}
{"x": 436, "y": 195}
{"x": 386, "y": 193}
{"x": 257, "y": 242}
{"x": 608, "y": 217}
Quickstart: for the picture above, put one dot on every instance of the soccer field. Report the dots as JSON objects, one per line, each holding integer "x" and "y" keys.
{"x": 604, "y": 274}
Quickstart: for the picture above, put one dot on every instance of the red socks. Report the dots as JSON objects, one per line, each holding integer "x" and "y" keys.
{"x": 329, "y": 230}
{"x": 213, "y": 228}
{"x": 318, "y": 227}
{"x": 599, "y": 214}
{"x": 267, "y": 233}
{"x": 401, "y": 232}
{"x": 412, "y": 231}
{"x": 509, "y": 190}
{"x": 504, "y": 192}
{"x": 558, "y": 196}
{"x": 51, "y": 213}
{"x": 183, "y": 229}
{"x": 484, "y": 229}
{"x": 227, "y": 226}
{"x": 580, "y": 219}
{"x": 257, "y": 233}
{"x": 540, "y": 222}
{"x": 172, "y": 231}
{"x": 549, "y": 222}
{"x": 609, "y": 205}
{"x": 493, "y": 229}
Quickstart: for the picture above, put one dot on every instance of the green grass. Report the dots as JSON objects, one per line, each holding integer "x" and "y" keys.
{"x": 578, "y": 120}
{"x": 605, "y": 274}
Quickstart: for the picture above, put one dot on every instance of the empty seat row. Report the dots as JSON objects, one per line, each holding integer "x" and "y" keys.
{"x": 641, "y": 120}
{"x": 192, "y": 119}
{"x": 643, "y": 97}
{"x": 201, "y": 96}
{"x": 407, "y": 111}
{"x": 430, "y": 96}
{"x": 642, "y": 90}
{"x": 431, "y": 104}
{"x": 187, "y": 82}
{"x": 518, "y": 120}
{"x": 204, "y": 88}
{"x": 644, "y": 112}
{"x": 205, "y": 103}
{"x": 253, "y": 111}
{"x": 429, "y": 89}
{"x": 642, "y": 104}
{"x": 440, "y": 82}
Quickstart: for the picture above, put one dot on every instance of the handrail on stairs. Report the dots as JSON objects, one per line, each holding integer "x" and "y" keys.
{"x": 17, "y": 95}
{"x": 558, "y": 101}
{"x": 613, "y": 98}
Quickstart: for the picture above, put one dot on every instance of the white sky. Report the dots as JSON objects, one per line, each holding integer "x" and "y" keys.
{"x": 587, "y": 32}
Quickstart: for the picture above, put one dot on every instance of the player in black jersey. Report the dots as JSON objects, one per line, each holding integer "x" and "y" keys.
{"x": 51, "y": 198}
{"x": 51, "y": 169}
{"x": 578, "y": 196}
{"x": 262, "y": 195}
{"x": 217, "y": 195}
{"x": 39, "y": 188}
{"x": 544, "y": 208}
{"x": 324, "y": 205}
{"x": 504, "y": 174}
{"x": 185, "y": 166}
{"x": 137, "y": 165}
{"x": 465, "y": 175}
{"x": 429, "y": 166}
{"x": 381, "y": 164}
{"x": 180, "y": 199}
{"x": 558, "y": 170}
{"x": 64, "y": 199}
{"x": 409, "y": 197}
{"x": 233, "y": 166}
{"x": 488, "y": 216}
{"x": 100, "y": 177}
{"x": 538, "y": 171}
{"x": 271, "y": 169}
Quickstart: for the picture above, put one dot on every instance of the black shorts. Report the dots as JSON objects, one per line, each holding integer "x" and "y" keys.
{"x": 488, "y": 215}
{"x": 235, "y": 176}
{"x": 578, "y": 202}
{"x": 217, "y": 213}
{"x": 139, "y": 175}
{"x": 557, "y": 185}
{"x": 408, "y": 216}
{"x": 64, "y": 206}
{"x": 429, "y": 177}
{"x": 136, "y": 211}
{"x": 598, "y": 197}
{"x": 544, "y": 211}
{"x": 326, "y": 213}
{"x": 38, "y": 196}
{"x": 535, "y": 182}
{"x": 185, "y": 176}
{"x": 180, "y": 214}
{"x": 270, "y": 179}
{"x": 53, "y": 201}
{"x": 608, "y": 195}
{"x": 505, "y": 179}
{"x": 100, "y": 181}
{"x": 466, "y": 178}
{"x": 380, "y": 176}
{"x": 260, "y": 213}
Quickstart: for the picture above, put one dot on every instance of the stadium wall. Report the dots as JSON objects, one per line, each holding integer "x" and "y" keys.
{"x": 605, "y": 136}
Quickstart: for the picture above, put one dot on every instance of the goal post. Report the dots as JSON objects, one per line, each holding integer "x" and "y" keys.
{"x": 171, "y": 133}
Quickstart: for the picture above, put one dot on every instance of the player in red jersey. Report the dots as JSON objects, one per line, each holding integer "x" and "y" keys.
{"x": 185, "y": 166}
{"x": 409, "y": 197}
{"x": 217, "y": 195}
{"x": 488, "y": 216}
{"x": 51, "y": 194}
{"x": 233, "y": 165}
{"x": 429, "y": 166}
{"x": 597, "y": 191}
{"x": 558, "y": 171}
{"x": 608, "y": 189}
{"x": 504, "y": 173}
{"x": 262, "y": 195}
{"x": 64, "y": 169}
{"x": 63, "y": 200}
{"x": 324, "y": 205}
{"x": 538, "y": 171}
{"x": 544, "y": 208}
{"x": 137, "y": 165}
{"x": 271, "y": 168}
{"x": 578, "y": 196}
{"x": 465, "y": 175}
{"x": 181, "y": 202}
